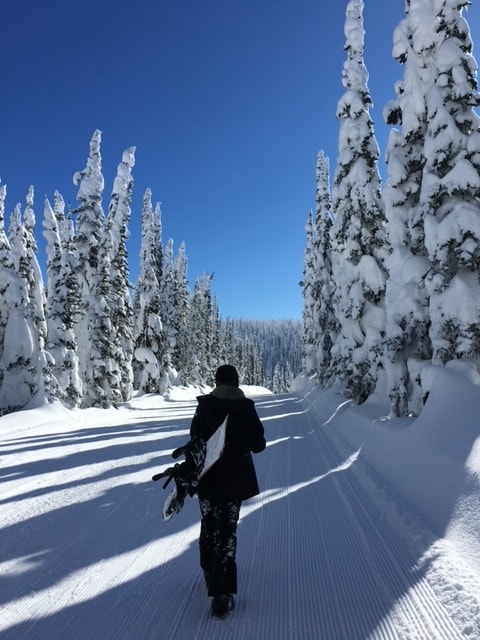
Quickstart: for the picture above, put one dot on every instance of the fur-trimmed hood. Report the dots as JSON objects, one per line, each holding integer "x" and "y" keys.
{"x": 228, "y": 392}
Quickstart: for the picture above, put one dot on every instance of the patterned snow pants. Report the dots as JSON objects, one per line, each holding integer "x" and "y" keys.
{"x": 218, "y": 545}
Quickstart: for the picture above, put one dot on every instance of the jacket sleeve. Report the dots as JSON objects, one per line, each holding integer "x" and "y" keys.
{"x": 257, "y": 442}
{"x": 199, "y": 423}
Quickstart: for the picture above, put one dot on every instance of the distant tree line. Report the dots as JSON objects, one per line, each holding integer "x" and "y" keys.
{"x": 269, "y": 351}
{"x": 392, "y": 278}
{"x": 86, "y": 338}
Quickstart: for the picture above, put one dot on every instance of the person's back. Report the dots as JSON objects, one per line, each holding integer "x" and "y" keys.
{"x": 231, "y": 480}
{"x": 233, "y": 476}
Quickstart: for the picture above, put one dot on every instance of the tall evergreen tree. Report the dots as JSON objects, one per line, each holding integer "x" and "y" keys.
{"x": 148, "y": 329}
{"x": 358, "y": 234}
{"x": 250, "y": 367}
{"x": 20, "y": 341}
{"x": 318, "y": 315}
{"x": 279, "y": 382}
{"x": 157, "y": 241}
{"x": 200, "y": 369}
{"x": 26, "y": 366}
{"x": 168, "y": 311}
{"x": 182, "y": 307}
{"x": 120, "y": 305}
{"x": 4, "y": 266}
{"x": 408, "y": 345}
{"x": 94, "y": 329}
{"x": 214, "y": 350}
{"x": 70, "y": 298}
{"x": 46, "y": 381}
{"x": 227, "y": 342}
{"x": 324, "y": 318}
{"x": 450, "y": 193}
{"x": 62, "y": 303}
{"x": 309, "y": 334}
{"x": 32, "y": 270}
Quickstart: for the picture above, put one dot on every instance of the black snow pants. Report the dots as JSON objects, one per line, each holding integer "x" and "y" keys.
{"x": 218, "y": 545}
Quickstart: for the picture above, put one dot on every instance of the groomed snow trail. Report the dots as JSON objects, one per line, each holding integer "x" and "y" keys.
{"x": 85, "y": 555}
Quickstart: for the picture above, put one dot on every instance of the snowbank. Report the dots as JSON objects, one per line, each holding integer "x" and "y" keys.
{"x": 190, "y": 392}
{"x": 432, "y": 462}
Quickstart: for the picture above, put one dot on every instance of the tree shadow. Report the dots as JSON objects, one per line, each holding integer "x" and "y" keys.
{"x": 57, "y": 542}
{"x": 318, "y": 555}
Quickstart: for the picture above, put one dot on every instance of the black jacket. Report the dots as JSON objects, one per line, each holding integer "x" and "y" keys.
{"x": 232, "y": 477}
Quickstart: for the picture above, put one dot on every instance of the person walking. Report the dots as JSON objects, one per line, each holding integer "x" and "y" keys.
{"x": 230, "y": 480}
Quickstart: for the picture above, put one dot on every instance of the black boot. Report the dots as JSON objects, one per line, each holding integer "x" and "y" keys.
{"x": 221, "y": 605}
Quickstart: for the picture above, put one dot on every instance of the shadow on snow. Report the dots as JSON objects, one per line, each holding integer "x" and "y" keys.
{"x": 317, "y": 554}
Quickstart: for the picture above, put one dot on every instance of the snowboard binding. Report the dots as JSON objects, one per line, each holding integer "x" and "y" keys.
{"x": 200, "y": 456}
{"x": 185, "y": 475}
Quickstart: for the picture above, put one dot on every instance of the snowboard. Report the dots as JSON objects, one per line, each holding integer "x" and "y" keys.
{"x": 200, "y": 456}
{"x": 214, "y": 448}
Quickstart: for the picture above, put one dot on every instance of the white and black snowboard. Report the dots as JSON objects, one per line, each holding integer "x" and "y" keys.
{"x": 214, "y": 448}
{"x": 200, "y": 456}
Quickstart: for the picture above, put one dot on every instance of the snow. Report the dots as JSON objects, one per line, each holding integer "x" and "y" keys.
{"x": 366, "y": 527}
{"x": 90, "y": 180}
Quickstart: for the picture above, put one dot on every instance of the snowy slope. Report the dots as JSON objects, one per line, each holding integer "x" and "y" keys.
{"x": 365, "y": 528}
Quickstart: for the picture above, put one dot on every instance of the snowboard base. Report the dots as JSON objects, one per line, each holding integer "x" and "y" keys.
{"x": 200, "y": 456}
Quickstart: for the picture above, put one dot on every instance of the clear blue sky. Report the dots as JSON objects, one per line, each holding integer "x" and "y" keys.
{"x": 227, "y": 103}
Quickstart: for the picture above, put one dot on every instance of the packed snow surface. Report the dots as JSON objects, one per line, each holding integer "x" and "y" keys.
{"x": 366, "y": 527}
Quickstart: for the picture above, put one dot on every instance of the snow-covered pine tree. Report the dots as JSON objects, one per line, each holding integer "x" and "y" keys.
{"x": 24, "y": 362}
{"x": 32, "y": 270}
{"x": 324, "y": 318}
{"x": 450, "y": 194}
{"x": 288, "y": 378}
{"x": 231, "y": 347}
{"x": 358, "y": 233}
{"x": 318, "y": 314}
{"x": 70, "y": 295}
{"x": 106, "y": 371}
{"x": 168, "y": 313}
{"x": 250, "y": 369}
{"x": 407, "y": 344}
{"x": 158, "y": 245}
{"x": 120, "y": 305}
{"x": 215, "y": 332}
{"x": 47, "y": 383}
{"x": 182, "y": 307}
{"x": 309, "y": 362}
{"x": 278, "y": 383}
{"x": 94, "y": 329}
{"x": 4, "y": 262}
{"x": 228, "y": 341}
{"x": 200, "y": 369}
{"x": 62, "y": 302}
{"x": 20, "y": 340}
{"x": 148, "y": 330}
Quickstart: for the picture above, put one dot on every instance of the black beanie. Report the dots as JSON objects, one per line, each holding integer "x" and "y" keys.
{"x": 226, "y": 374}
